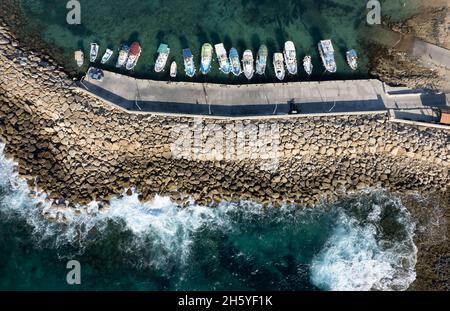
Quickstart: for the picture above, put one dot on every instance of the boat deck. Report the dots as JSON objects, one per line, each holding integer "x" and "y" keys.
{"x": 253, "y": 100}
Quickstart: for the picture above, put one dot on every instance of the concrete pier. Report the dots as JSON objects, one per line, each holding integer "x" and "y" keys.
{"x": 254, "y": 100}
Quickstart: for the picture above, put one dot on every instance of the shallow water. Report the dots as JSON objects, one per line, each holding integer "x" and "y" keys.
{"x": 244, "y": 24}
{"x": 361, "y": 243}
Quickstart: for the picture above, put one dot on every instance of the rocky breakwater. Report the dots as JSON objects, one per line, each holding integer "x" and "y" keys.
{"x": 79, "y": 149}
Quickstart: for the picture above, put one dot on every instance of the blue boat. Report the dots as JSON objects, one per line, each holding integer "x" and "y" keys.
{"x": 235, "y": 62}
{"x": 189, "y": 66}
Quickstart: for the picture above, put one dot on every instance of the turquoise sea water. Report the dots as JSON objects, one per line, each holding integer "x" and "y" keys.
{"x": 361, "y": 243}
{"x": 244, "y": 24}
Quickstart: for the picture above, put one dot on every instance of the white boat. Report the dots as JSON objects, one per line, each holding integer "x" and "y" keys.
{"x": 278, "y": 65}
{"x": 133, "y": 56}
{"x": 173, "y": 69}
{"x": 247, "y": 61}
{"x": 163, "y": 55}
{"x": 290, "y": 57}
{"x": 94, "y": 52}
{"x": 307, "y": 65}
{"x": 123, "y": 56}
{"x": 261, "y": 60}
{"x": 107, "y": 56}
{"x": 326, "y": 52}
{"x": 352, "y": 59}
{"x": 224, "y": 63}
{"x": 79, "y": 58}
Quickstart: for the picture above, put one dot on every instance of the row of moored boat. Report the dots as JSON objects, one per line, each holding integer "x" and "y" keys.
{"x": 282, "y": 62}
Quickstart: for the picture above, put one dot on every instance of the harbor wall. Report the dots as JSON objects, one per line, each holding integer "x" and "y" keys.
{"x": 78, "y": 148}
{"x": 254, "y": 100}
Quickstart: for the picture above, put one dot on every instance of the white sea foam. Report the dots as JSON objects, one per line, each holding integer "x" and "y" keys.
{"x": 162, "y": 233}
{"x": 357, "y": 257}
{"x": 159, "y": 222}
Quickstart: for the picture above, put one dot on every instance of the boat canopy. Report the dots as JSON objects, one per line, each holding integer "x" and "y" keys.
{"x": 248, "y": 54}
{"x": 352, "y": 54}
{"x": 327, "y": 46}
{"x": 163, "y": 48}
{"x": 187, "y": 53}
{"x": 207, "y": 50}
{"x": 135, "y": 48}
{"x": 233, "y": 53}
{"x": 263, "y": 51}
{"x": 79, "y": 55}
{"x": 220, "y": 49}
{"x": 289, "y": 46}
{"x": 278, "y": 57}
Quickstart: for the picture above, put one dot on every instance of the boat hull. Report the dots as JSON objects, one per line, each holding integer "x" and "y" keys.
{"x": 205, "y": 67}
{"x": 290, "y": 58}
{"x": 189, "y": 65}
{"x": 173, "y": 70}
{"x": 307, "y": 65}
{"x": 163, "y": 56}
{"x": 107, "y": 56}
{"x": 206, "y": 62}
{"x": 352, "y": 59}
{"x": 326, "y": 52}
{"x": 79, "y": 58}
{"x": 123, "y": 56}
{"x": 94, "y": 52}
{"x": 261, "y": 60}
{"x": 224, "y": 64}
{"x": 278, "y": 64}
{"x": 248, "y": 62}
{"x": 260, "y": 69}
{"x": 161, "y": 64}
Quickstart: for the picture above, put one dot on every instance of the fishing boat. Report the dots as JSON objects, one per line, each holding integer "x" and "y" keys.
{"x": 235, "y": 62}
{"x": 107, "y": 56}
{"x": 189, "y": 65}
{"x": 94, "y": 52}
{"x": 307, "y": 65}
{"x": 248, "y": 61}
{"x": 123, "y": 56}
{"x": 352, "y": 59}
{"x": 224, "y": 64}
{"x": 163, "y": 55}
{"x": 326, "y": 52}
{"x": 133, "y": 56}
{"x": 79, "y": 58}
{"x": 173, "y": 69}
{"x": 278, "y": 65}
{"x": 290, "y": 57}
{"x": 207, "y": 51}
{"x": 261, "y": 60}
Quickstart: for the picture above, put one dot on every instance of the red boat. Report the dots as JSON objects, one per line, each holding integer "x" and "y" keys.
{"x": 133, "y": 57}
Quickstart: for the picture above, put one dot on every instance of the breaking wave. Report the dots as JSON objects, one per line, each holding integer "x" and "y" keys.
{"x": 364, "y": 242}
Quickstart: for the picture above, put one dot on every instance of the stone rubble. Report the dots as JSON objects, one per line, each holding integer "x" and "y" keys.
{"x": 81, "y": 149}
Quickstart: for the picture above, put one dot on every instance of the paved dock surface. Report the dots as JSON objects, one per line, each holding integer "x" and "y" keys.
{"x": 431, "y": 53}
{"x": 329, "y": 97}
